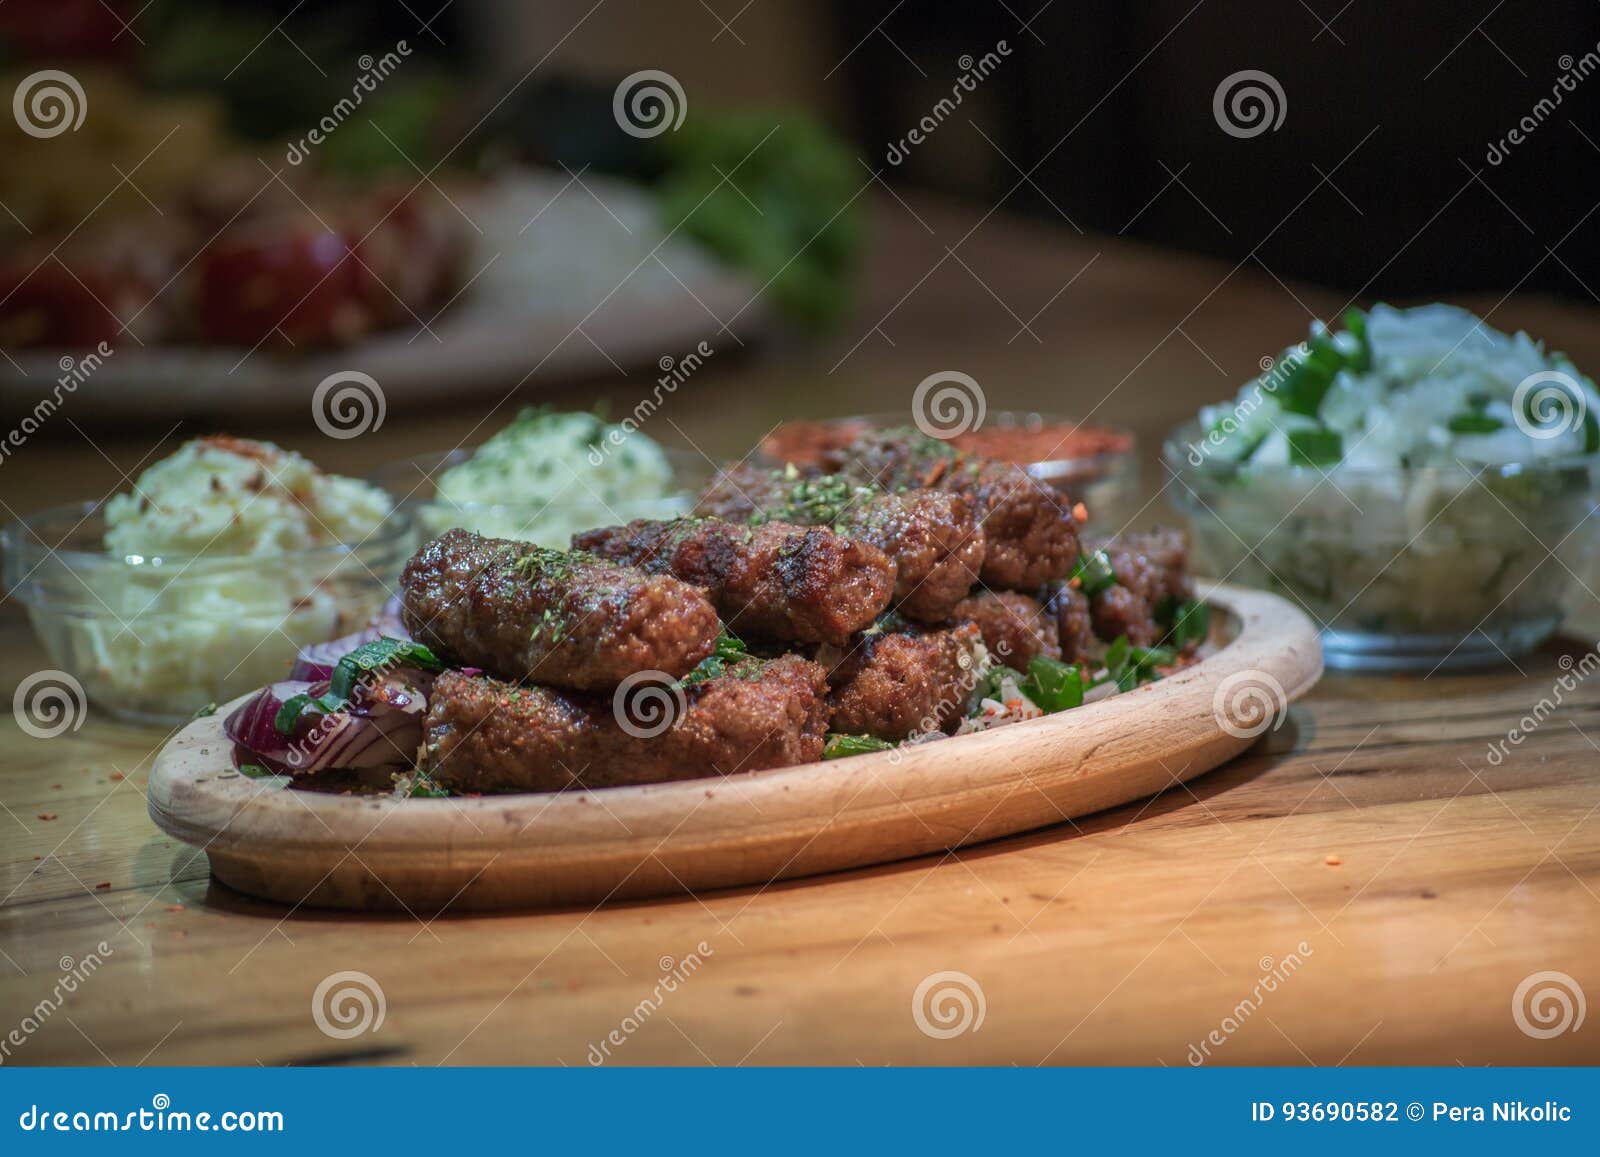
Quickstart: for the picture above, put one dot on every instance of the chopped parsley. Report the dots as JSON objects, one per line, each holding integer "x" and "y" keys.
{"x": 839, "y": 745}
{"x": 1128, "y": 666}
{"x": 729, "y": 652}
{"x": 1053, "y": 685}
{"x": 1093, "y": 572}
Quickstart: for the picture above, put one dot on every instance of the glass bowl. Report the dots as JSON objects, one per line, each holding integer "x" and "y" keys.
{"x": 410, "y": 482}
{"x": 1455, "y": 565}
{"x": 156, "y": 639}
{"x": 1103, "y": 475}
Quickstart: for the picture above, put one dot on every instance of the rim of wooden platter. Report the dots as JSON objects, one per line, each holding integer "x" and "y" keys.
{"x": 585, "y": 847}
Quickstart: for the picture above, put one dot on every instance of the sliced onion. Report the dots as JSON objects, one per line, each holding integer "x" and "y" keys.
{"x": 387, "y": 737}
{"x": 251, "y": 724}
{"x": 381, "y": 728}
{"x": 318, "y": 660}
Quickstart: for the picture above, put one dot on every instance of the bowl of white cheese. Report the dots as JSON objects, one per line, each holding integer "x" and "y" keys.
{"x": 546, "y": 476}
{"x": 206, "y": 578}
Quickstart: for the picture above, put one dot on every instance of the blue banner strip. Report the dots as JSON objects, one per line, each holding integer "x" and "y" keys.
{"x": 820, "y": 1112}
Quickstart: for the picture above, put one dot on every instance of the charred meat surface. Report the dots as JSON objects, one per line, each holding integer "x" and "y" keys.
{"x": 1150, "y": 567}
{"x": 484, "y": 735}
{"x": 570, "y": 620}
{"x": 774, "y": 581}
{"x": 1074, "y": 622}
{"x": 897, "y": 683}
{"x": 1015, "y": 626}
{"x": 933, "y": 537}
{"x": 1029, "y": 528}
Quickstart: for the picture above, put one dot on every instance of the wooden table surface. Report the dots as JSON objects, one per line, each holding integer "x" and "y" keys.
{"x": 1393, "y": 886}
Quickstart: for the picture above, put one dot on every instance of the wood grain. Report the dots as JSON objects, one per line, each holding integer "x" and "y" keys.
{"x": 591, "y": 847}
{"x": 1125, "y": 937}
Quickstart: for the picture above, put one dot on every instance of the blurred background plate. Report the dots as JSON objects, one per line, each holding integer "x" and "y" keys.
{"x": 479, "y": 351}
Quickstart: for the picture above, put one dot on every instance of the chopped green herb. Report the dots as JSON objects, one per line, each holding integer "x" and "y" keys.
{"x": 255, "y": 771}
{"x": 1472, "y": 423}
{"x": 729, "y": 651}
{"x": 423, "y": 787}
{"x": 208, "y": 709}
{"x": 1128, "y": 666}
{"x": 838, "y": 746}
{"x": 380, "y": 655}
{"x": 1053, "y": 685}
{"x": 1093, "y": 570}
{"x": 1310, "y": 374}
{"x": 814, "y": 502}
{"x": 288, "y": 716}
{"x": 1191, "y": 624}
{"x": 1315, "y": 447}
{"x": 1355, "y": 325}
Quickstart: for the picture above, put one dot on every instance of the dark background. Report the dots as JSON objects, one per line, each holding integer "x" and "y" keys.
{"x": 1376, "y": 184}
{"x": 1397, "y": 100}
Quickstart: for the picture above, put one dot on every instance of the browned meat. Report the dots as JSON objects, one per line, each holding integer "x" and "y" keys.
{"x": 522, "y": 612}
{"x": 1150, "y": 567}
{"x": 487, "y": 736}
{"x": 1015, "y": 626}
{"x": 1028, "y": 525}
{"x": 933, "y": 537}
{"x": 1074, "y": 623}
{"x": 899, "y": 683}
{"x": 1119, "y": 611}
{"x": 774, "y": 581}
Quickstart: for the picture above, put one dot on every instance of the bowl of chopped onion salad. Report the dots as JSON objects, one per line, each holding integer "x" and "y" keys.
{"x": 1420, "y": 483}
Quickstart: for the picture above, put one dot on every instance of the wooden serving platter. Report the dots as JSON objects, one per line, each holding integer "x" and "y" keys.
{"x": 584, "y": 847}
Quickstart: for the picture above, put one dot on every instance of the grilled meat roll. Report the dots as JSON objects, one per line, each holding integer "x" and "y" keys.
{"x": 773, "y": 581}
{"x": 1150, "y": 567}
{"x": 522, "y": 612}
{"x": 1030, "y": 532}
{"x": 484, "y": 735}
{"x": 933, "y": 537}
{"x": 1015, "y": 626}
{"x": 903, "y": 682}
{"x": 1074, "y": 621}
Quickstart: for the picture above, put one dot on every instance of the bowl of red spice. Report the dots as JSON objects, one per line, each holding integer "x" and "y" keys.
{"x": 1092, "y": 464}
